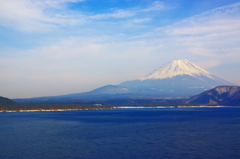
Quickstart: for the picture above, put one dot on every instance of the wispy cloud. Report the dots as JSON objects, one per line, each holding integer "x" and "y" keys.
{"x": 156, "y": 5}
{"x": 223, "y": 19}
{"x": 53, "y": 3}
{"x": 48, "y": 15}
{"x": 35, "y": 15}
{"x": 212, "y": 34}
{"x": 117, "y": 13}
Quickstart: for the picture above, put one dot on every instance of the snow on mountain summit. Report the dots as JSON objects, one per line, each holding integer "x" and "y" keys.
{"x": 178, "y": 67}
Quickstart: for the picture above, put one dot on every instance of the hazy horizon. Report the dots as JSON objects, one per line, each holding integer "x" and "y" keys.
{"x": 51, "y": 47}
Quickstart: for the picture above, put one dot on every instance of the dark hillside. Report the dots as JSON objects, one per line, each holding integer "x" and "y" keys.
{"x": 221, "y": 95}
{"x": 6, "y": 101}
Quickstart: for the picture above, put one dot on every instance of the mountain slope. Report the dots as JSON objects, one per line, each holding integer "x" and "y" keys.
{"x": 6, "y": 101}
{"x": 111, "y": 89}
{"x": 102, "y": 93}
{"x": 221, "y": 95}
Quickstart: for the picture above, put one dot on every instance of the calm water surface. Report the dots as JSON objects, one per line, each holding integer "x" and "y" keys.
{"x": 122, "y": 134}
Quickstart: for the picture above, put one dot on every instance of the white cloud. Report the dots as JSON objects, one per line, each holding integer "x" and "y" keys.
{"x": 213, "y": 34}
{"x": 130, "y": 12}
{"x": 222, "y": 19}
{"x": 118, "y": 13}
{"x": 156, "y": 5}
{"x": 137, "y": 22}
{"x": 48, "y": 15}
{"x": 34, "y": 15}
{"x": 53, "y": 3}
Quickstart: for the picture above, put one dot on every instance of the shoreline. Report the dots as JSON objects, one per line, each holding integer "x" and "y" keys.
{"x": 116, "y": 107}
{"x": 139, "y": 107}
{"x": 53, "y": 110}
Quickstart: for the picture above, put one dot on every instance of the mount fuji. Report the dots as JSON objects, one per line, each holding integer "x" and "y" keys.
{"x": 178, "y": 78}
{"x": 175, "y": 80}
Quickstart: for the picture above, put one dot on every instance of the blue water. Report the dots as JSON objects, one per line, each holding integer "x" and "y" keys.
{"x": 122, "y": 134}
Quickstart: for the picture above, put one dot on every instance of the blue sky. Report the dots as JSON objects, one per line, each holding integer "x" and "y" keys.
{"x": 55, "y": 47}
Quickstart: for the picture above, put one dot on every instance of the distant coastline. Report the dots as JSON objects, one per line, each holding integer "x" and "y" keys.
{"x": 52, "y": 110}
{"x": 200, "y": 106}
{"x": 50, "y": 107}
{"x": 115, "y": 107}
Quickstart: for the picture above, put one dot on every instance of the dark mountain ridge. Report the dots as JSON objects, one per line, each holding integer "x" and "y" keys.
{"x": 221, "y": 95}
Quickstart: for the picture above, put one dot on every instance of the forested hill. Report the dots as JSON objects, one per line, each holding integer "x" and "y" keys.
{"x": 6, "y": 101}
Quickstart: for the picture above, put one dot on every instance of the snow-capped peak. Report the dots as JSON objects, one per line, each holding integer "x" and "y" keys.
{"x": 178, "y": 67}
